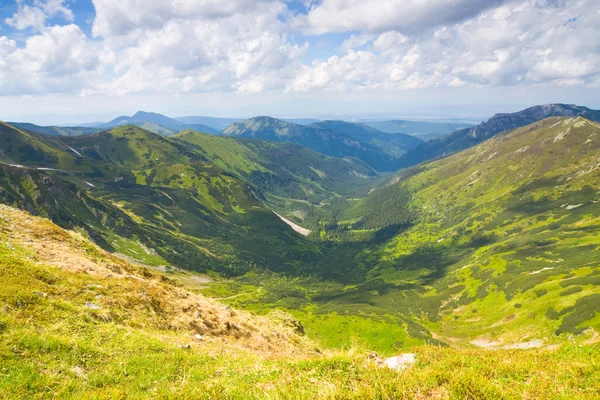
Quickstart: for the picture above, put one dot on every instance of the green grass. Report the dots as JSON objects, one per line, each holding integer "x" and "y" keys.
{"x": 53, "y": 346}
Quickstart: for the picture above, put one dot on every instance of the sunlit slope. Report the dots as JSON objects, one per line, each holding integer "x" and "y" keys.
{"x": 79, "y": 323}
{"x": 148, "y": 197}
{"x": 506, "y": 245}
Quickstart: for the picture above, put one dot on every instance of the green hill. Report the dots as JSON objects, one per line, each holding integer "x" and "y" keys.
{"x": 198, "y": 201}
{"x": 79, "y": 323}
{"x": 55, "y": 130}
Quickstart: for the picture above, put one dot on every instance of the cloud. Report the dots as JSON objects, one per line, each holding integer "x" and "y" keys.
{"x": 247, "y": 51}
{"x": 209, "y": 46}
{"x": 34, "y": 14}
{"x": 118, "y": 18}
{"x": 61, "y": 59}
{"x": 526, "y": 42}
{"x": 407, "y": 16}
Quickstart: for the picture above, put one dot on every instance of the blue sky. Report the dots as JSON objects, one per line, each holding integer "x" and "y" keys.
{"x": 65, "y": 61}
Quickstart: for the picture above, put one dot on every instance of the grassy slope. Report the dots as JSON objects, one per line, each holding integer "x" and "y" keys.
{"x": 53, "y": 344}
{"x": 151, "y": 196}
{"x": 500, "y": 245}
{"x": 507, "y": 233}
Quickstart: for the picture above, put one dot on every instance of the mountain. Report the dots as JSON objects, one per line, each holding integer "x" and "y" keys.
{"x": 195, "y": 200}
{"x": 56, "y": 130}
{"x": 394, "y": 145}
{"x": 425, "y": 130}
{"x": 157, "y": 123}
{"x": 220, "y": 124}
{"x": 499, "y": 123}
{"x": 495, "y": 247}
{"x": 322, "y": 140}
{"x": 215, "y": 123}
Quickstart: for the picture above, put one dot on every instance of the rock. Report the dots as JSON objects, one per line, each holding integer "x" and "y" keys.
{"x": 185, "y": 346}
{"x": 93, "y": 306}
{"x": 199, "y": 337}
{"x": 400, "y": 362}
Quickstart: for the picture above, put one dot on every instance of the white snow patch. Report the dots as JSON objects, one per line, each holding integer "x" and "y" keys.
{"x": 541, "y": 270}
{"x": 294, "y": 226}
{"x": 572, "y": 206}
{"x": 75, "y": 151}
{"x": 400, "y": 362}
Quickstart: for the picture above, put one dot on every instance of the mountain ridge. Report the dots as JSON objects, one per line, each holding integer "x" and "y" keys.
{"x": 499, "y": 123}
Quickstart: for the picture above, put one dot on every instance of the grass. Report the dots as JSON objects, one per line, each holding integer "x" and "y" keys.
{"x": 53, "y": 346}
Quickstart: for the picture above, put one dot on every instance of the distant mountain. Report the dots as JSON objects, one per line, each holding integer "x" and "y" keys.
{"x": 326, "y": 141}
{"x": 221, "y": 123}
{"x": 426, "y": 130}
{"x": 499, "y": 123}
{"x": 301, "y": 121}
{"x": 395, "y": 144}
{"x": 157, "y": 123}
{"x": 55, "y": 130}
{"x": 215, "y": 123}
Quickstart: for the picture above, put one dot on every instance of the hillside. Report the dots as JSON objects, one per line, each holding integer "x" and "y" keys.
{"x": 495, "y": 246}
{"x": 55, "y": 130}
{"x": 510, "y": 227}
{"x": 325, "y": 141}
{"x": 498, "y": 124}
{"x": 80, "y": 323}
{"x": 201, "y": 202}
{"x": 393, "y": 145}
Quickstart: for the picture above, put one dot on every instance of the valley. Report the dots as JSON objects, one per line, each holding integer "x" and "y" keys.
{"x": 494, "y": 247}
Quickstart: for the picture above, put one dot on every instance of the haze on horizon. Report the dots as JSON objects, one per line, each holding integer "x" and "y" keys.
{"x": 76, "y": 61}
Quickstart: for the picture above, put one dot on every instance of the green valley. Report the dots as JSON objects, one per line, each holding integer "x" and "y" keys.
{"x": 494, "y": 247}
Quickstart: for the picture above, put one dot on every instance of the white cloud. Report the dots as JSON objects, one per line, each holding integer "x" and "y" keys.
{"x": 61, "y": 59}
{"x": 34, "y": 14}
{"x": 247, "y": 46}
{"x": 525, "y": 42}
{"x": 386, "y": 15}
{"x": 117, "y": 18}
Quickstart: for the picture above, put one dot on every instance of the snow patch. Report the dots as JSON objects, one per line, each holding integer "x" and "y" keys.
{"x": 75, "y": 151}
{"x": 572, "y": 206}
{"x": 296, "y": 227}
{"x": 541, "y": 270}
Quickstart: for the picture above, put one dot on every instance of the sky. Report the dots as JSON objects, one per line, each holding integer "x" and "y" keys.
{"x": 75, "y": 61}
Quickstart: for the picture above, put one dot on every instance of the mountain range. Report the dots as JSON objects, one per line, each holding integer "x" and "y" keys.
{"x": 334, "y": 138}
{"x": 508, "y": 223}
{"x": 425, "y": 130}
